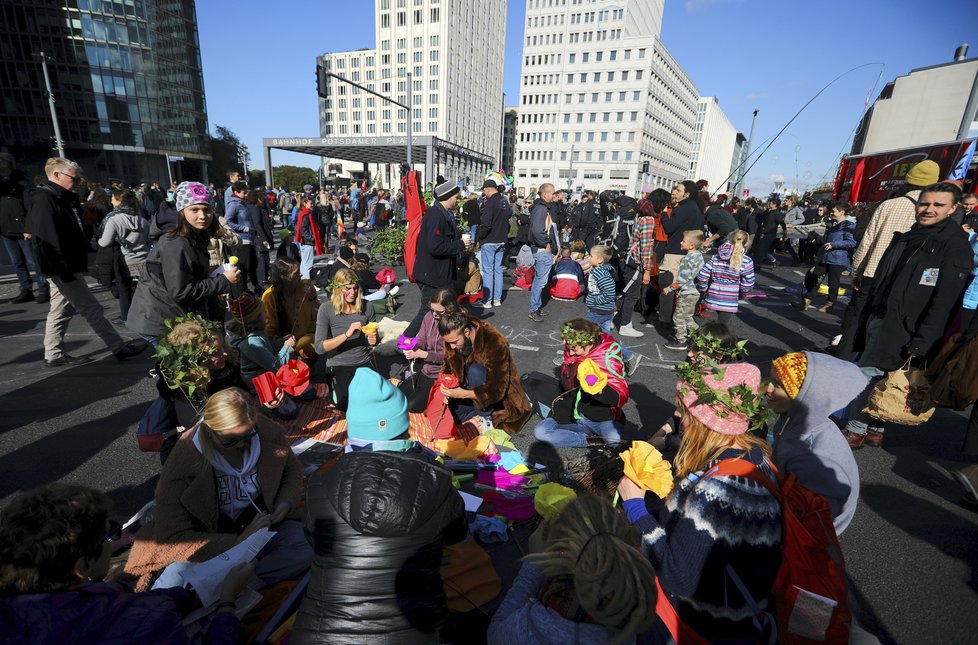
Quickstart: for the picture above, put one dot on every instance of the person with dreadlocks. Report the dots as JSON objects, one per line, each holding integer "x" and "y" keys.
{"x": 343, "y": 333}
{"x": 586, "y": 581}
{"x": 714, "y": 526}
{"x": 593, "y": 386}
{"x": 290, "y": 305}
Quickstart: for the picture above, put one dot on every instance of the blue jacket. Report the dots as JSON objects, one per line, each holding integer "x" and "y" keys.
{"x": 237, "y": 218}
{"x": 840, "y": 237}
{"x": 971, "y": 293}
{"x": 601, "y": 289}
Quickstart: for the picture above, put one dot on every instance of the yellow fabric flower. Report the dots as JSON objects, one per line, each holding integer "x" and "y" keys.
{"x": 645, "y": 466}
{"x": 591, "y": 377}
{"x": 369, "y": 329}
{"x": 551, "y": 498}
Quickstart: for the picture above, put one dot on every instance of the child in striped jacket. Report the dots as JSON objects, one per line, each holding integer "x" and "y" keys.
{"x": 727, "y": 277}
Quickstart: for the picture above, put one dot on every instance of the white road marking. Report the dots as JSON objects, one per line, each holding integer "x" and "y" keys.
{"x": 525, "y": 348}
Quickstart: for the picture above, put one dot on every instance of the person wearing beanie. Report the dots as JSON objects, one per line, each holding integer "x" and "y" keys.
{"x": 378, "y": 521}
{"x": 894, "y": 215}
{"x": 439, "y": 245}
{"x": 918, "y": 285}
{"x": 805, "y": 390}
{"x": 177, "y": 279}
{"x": 711, "y": 521}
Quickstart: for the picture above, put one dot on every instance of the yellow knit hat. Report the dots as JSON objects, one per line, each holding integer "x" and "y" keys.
{"x": 925, "y": 173}
{"x": 791, "y": 369}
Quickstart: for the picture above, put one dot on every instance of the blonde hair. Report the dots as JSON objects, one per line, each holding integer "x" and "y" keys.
{"x": 224, "y": 410}
{"x": 343, "y": 278}
{"x": 700, "y": 446}
{"x": 57, "y": 164}
{"x": 694, "y": 237}
{"x": 603, "y": 251}
{"x": 739, "y": 241}
{"x": 590, "y": 545}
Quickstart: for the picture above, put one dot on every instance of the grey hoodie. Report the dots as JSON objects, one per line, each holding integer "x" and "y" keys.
{"x": 131, "y": 231}
{"x": 810, "y": 445}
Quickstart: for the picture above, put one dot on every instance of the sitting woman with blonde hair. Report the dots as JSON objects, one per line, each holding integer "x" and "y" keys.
{"x": 229, "y": 476}
{"x": 585, "y": 581}
{"x": 714, "y": 526}
{"x": 339, "y": 333}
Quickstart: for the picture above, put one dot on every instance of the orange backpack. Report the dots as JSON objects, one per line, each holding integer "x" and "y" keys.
{"x": 810, "y": 591}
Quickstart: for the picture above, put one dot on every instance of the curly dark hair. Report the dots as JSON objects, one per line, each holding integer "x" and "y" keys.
{"x": 45, "y": 531}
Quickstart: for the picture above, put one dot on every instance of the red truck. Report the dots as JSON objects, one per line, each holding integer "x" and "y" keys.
{"x": 874, "y": 177}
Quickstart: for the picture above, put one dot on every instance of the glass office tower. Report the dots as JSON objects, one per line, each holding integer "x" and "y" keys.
{"x": 126, "y": 77}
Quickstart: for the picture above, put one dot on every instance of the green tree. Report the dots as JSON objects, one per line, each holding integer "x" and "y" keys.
{"x": 293, "y": 178}
{"x": 225, "y": 148}
{"x": 256, "y": 177}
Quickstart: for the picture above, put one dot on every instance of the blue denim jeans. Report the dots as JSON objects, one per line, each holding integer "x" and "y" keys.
{"x": 22, "y": 257}
{"x": 491, "y": 265}
{"x": 464, "y": 409}
{"x": 603, "y": 320}
{"x": 307, "y": 254}
{"x": 542, "y": 261}
{"x": 574, "y": 435}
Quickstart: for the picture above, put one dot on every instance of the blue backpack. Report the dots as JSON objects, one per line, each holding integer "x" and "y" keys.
{"x": 158, "y": 423}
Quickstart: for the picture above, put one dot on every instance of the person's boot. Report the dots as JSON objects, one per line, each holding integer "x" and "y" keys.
{"x": 803, "y": 304}
{"x": 22, "y": 297}
{"x": 826, "y": 308}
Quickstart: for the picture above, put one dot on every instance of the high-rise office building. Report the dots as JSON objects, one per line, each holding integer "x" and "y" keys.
{"x": 126, "y": 77}
{"x": 455, "y": 62}
{"x": 599, "y": 96}
{"x": 510, "y": 121}
{"x": 714, "y": 141}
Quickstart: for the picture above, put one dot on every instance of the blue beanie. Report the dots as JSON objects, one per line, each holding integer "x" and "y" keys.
{"x": 377, "y": 411}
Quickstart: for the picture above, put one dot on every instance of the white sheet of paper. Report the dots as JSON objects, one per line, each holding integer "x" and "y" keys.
{"x": 207, "y": 577}
{"x": 472, "y": 502}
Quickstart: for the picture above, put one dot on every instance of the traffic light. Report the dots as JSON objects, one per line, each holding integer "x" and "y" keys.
{"x": 645, "y": 167}
{"x": 322, "y": 82}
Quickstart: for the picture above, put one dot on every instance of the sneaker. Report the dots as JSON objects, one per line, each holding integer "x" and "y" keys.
{"x": 803, "y": 304}
{"x": 631, "y": 332}
{"x": 676, "y": 345}
{"x": 43, "y": 299}
{"x": 131, "y": 349}
{"x": 483, "y": 305}
{"x": 497, "y": 303}
{"x": 24, "y": 296}
{"x": 826, "y": 308}
{"x": 632, "y": 364}
{"x": 543, "y": 312}
{"x": 535, "y": 316}
{"x": 394, "y": 290}
{"x": 66, "y": 360}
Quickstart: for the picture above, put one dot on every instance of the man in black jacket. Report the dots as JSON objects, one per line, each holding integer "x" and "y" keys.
{"x": 492, "y": 235}
{"x": 435, "y": 265}
{"x": 62, "y": 254}
{"x": 544, "y": 245}
{"x": 13, "y": 190}
{"x": 917, "y": 285}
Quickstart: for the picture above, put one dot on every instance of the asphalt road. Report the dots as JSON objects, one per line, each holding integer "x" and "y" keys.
{"x": 912, "y": 549}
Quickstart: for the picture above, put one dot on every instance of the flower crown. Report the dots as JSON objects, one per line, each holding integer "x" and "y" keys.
{"x": 710, "y": 345}
{"x": 577, "y": 338}
{"x": 336, "y": 283}
{"x": 737, "y": 400}
{"x": 183, "y": 365}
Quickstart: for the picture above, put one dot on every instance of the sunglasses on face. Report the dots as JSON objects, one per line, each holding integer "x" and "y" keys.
{"x": 114, "y": 533}
{"x": 231, "y": 442}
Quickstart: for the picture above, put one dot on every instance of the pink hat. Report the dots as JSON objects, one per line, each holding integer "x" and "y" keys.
{"x": 714, "y": 415}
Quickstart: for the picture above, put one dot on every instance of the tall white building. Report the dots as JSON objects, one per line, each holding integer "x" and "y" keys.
{"x": 599, "y": 95}
{"x": 714, "y": 141}
{"x": 454, "y": 52}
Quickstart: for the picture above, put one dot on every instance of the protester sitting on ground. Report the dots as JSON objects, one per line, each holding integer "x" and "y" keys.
{"x": 688, "y": 296}
{"x": 568, "y": 281}
{"x": 430, "y": 349}
{"x": 833, "y": 258}
{"x": 601, "y": 298}
{"x": 177, "y": 279}
{"x": 290, "y": 304}
{"x": 344, "y": 259}
{"x": 587, "y": 411}
{"x": 579, "y": 254}
{"x": 805, "y": 389}
{"x": 126, "y": 228}
{"x": 372, "y": 287}
{"x": 712, "y": 522}
{"x": 56, "y": 542}
{"x": 378, "y": 521}
{"x": 340, "y": 336}
{"x": 727, "y": 277}
{"x": 584, "y": 581}
{"x": 229, "y": 476}
{"x": 490, "y": 390}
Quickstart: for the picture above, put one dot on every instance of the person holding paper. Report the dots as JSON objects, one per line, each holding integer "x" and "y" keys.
{"x": 56, "y": 584}
{"x": 231, "y": 475}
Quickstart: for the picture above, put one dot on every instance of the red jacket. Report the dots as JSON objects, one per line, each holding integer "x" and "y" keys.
{"x": 568, "y": 283}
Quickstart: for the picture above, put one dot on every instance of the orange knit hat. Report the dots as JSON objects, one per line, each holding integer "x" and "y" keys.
{"x": 791, "y": 369}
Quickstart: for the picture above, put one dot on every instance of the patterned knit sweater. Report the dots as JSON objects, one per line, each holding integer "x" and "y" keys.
{"x": 704, "y": 525}
{"x": 722, "y": 285}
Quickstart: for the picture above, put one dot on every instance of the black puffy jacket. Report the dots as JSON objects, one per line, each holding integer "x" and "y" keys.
{"x": 13, "y": 213}
{"x": 377, "y": 522}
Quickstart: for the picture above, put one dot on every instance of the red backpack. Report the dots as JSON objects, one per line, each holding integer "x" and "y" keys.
{"x": 810, "y": 592}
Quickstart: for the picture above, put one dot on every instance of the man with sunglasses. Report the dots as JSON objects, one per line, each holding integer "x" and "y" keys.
{"x": 62, "y": 256}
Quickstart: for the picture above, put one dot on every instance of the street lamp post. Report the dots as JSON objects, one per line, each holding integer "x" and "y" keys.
{"x": 58, "y": 143}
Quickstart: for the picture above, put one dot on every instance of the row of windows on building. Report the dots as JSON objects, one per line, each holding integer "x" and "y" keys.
{"x": 401, "y": 19}
{"x": 544, "y": 4}
{"x": 385, "y": 5}
{"x": 586, "y": 155}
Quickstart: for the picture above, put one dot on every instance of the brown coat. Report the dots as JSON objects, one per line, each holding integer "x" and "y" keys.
{"x": 185, "y": 525}
{"x": 305, "y": 309}
{"x": 503, "y": 384}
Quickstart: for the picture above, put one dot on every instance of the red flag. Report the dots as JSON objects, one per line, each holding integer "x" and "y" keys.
{"x": 414, "y": 200}
{"x": 857, "y": 181}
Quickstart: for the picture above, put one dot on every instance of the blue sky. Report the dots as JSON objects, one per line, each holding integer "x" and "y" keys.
{"x": 772, "y": 55}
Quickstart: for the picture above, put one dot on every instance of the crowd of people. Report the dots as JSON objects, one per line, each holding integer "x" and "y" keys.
{"x": 230, "y": 287}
